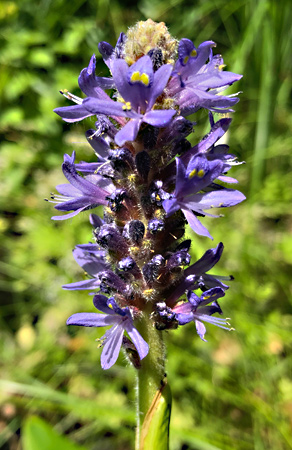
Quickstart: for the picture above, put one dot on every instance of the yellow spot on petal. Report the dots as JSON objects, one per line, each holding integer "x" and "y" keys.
{"x": 193, "y": 53}
{"x": 145, "y": 79}
{"x": 142, "y": 77}
{"x": 192, "y": 174}
{"x": 185, "y": 60}
{"x": 135, "y": 76}
{"x": 201, "y": 173}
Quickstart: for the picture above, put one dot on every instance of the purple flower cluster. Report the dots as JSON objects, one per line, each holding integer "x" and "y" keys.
{"x": 151, "y": 182}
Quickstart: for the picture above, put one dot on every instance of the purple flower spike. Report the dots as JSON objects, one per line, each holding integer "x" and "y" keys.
{"x": 151, "y": 181}
{"x": 121, "y": 321}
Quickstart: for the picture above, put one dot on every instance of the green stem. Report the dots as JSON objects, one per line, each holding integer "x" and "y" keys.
{"x": 153, "y": 394}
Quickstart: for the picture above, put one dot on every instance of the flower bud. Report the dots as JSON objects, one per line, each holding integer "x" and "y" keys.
{"x": 115, "y": 200}
{"x": 134, "y": 231}
{"x": 177, "y": 259}
{"x": 165, "y": 318}
{"x": 156, "y": 56}
{"x": 127, "y": 264}
{"x": 109, "y": 237}
{"x": 121, "y": 159}
{"x": 110, "y": 282}
{"x": 155, "y": 225}
{"x": 157, "y": 194}
{"x": 151, "y": 270}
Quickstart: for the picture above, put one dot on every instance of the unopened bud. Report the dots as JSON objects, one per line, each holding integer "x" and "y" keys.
{"x": 134, "y": 231}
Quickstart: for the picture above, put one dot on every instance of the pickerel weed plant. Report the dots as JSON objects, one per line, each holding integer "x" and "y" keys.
{"x": 151, "y": 182}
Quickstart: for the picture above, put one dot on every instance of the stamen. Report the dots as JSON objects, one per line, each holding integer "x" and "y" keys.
{"x": 127, "y": 106}
{"x": 71, "y": 97}
{"x": 94, "y": 134}
{"x": 101, "y": 166}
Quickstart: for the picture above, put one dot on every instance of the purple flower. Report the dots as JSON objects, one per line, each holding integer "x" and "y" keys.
{"x": 81, "y": 193}
{"x": 102, "y": 151}
{"x": 109, "y": 53}
{"x": 203, "y": 265}
{"x": 199, "y": 310}
{"x": 195, "y": 83}
{"x": 121, "y": 320}
{"x": 138, "y": 87}
{"x": 92, "y": 260}
{"x": 190, "y": 181}
{"x": 93, "y": 87}
{"x": 195, "y": 276}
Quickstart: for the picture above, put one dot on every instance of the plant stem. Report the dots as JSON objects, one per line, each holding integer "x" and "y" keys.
{"x": 151, "y": 380}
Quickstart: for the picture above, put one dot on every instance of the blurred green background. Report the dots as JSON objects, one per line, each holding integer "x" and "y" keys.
{"x": 233, "y": 392}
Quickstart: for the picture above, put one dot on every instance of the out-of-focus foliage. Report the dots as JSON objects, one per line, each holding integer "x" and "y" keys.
{"x": 234, "y": 392}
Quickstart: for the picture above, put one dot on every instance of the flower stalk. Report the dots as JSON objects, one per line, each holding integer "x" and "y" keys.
{"x": 153, "y": 393}
{"x": 152, "y": 372}
{"x": 151, "y": 183}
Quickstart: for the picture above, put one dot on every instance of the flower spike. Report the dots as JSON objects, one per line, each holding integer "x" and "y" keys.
{"x": 150, "y": 182}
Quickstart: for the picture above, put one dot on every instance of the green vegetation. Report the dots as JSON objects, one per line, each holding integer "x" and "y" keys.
{"x": 234, "y": 392}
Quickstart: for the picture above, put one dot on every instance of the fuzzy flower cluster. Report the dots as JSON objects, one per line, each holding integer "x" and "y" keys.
{"x": 151, "y": 182}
